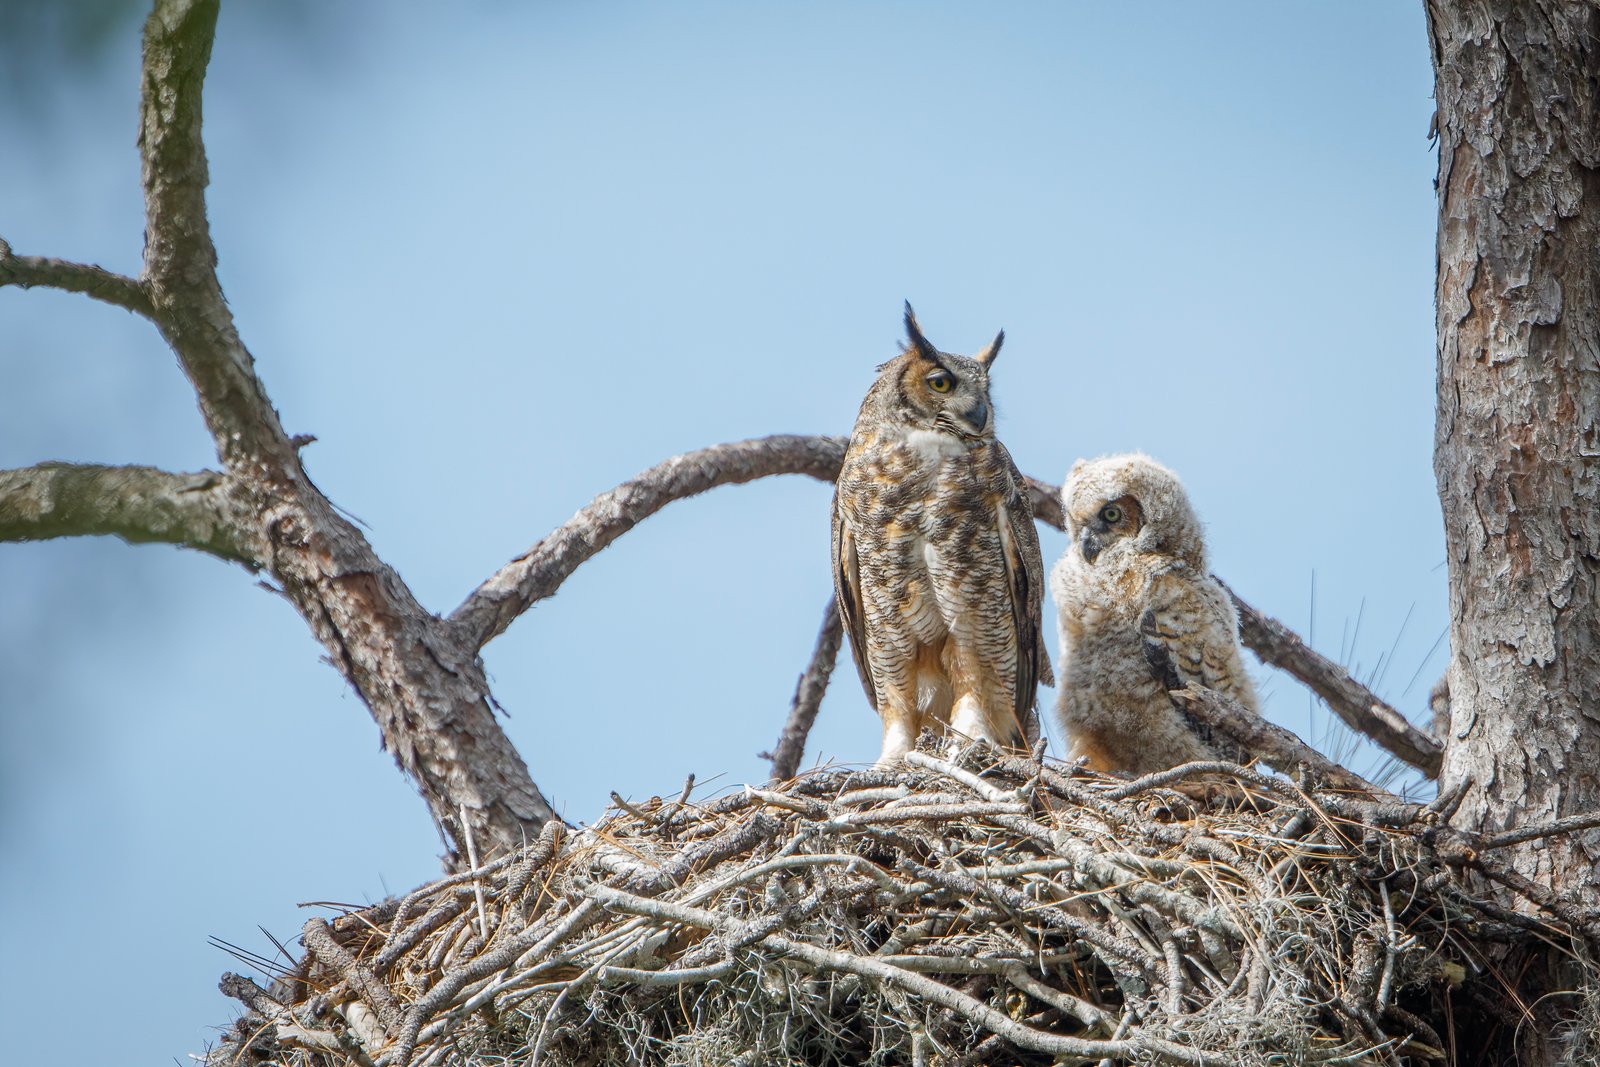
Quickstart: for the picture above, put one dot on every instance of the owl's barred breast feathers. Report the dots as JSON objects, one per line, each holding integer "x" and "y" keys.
{"x": 936, "y": 561}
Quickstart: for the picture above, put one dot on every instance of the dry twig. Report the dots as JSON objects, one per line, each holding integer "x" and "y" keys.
{"x": 993, "y": 909}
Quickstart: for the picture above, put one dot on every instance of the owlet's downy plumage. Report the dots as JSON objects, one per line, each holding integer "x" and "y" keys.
{"x": 1135, "y": 571}
{"x": 935, "y": 557}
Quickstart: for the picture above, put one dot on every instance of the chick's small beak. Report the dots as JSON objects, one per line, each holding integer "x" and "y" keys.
{"x": 1090, "y": 544}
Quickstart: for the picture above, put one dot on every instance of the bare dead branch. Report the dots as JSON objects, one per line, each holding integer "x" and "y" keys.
{"x": 1358, "y": 706}
{"x": 320, "y": 942}
{"x": 426, "y": 690}
{"x": 1046, "y": 501}
{"x": 539, "y": 572}
{"x": 808, "y": 694}
{"x": 1212, "y": 711}
{"x": 884, "y": 974}
{"x": 1266, "y": 740}
{"x": 1571, "y": 824}
{"x": 138, "y": 504}
{"x": 180, "y": 262}
{"x": 26, "y": 272}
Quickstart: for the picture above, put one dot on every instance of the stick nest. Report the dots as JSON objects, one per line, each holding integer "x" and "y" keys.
{"x": 980, "y": 909}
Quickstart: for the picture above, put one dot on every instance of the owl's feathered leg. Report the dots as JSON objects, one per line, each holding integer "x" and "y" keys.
{"x": 968, "y": 722}
{"x": 982, "y": 710}
{"x": 898, "y": 704}
{"x": 901, "y": 725}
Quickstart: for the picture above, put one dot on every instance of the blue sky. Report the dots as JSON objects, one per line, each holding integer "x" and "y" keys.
{"x": 499, "y": 259}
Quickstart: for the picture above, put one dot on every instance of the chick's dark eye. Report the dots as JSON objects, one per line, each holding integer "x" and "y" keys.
{"x": 941, "y": 382}
{"x": 1111, "y": 514}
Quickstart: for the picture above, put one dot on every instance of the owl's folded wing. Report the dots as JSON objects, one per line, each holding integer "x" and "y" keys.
{"x": 1025, "y": 579}
{"x": 847, "y": 586}
{"x": 1194, "y": 624}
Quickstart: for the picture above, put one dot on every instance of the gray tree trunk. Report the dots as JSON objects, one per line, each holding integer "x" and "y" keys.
{"x": 1516, "y": 443}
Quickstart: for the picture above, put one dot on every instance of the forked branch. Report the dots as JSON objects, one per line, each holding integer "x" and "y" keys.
{"x": 137, "y": 504}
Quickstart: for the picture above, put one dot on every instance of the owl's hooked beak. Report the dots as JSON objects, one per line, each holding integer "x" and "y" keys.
{"x": 977, "y": 416}
{"x": 1090, "y": 544}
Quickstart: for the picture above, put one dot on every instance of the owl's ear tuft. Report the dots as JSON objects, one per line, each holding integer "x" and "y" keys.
{"x": 918, "y": 343}
{"x": 987, "y": 356}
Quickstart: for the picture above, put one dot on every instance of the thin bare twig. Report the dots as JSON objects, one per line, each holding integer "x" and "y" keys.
{"x": 808, "y": 694}
{"x": 1570, "y": 824}
{"x": 319, "y": 940}
{"x": 879, "y": 972}
{"x": 119, "y": 290}
{"x": 137, "y": 504}
{"x": 539, "y": 572}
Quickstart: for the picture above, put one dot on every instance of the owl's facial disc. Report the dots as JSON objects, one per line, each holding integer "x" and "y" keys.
{"x": 1116, "y": 520}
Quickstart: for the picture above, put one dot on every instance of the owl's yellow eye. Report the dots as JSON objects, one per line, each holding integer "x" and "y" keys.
{"x": 1110, "y": 514}
{"x": 941, "y": 382}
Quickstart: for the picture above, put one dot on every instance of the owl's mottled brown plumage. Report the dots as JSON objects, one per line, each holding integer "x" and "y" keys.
{"x": 935, "y": 557}
{"x": 1135, "y": 571}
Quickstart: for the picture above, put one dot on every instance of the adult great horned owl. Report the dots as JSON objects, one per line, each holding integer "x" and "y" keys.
{"x": 1136, "y": 571}
{"x": 935, "y": 557}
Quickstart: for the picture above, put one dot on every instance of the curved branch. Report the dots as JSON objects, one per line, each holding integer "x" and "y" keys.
{"x": 138, "y": 504}
{"x": 1278, "y": 646}
{"x": 539, "y": 572}
{"x": 25, "y": 272}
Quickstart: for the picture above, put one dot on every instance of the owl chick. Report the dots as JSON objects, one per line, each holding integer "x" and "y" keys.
{"x": 1136, "y": 571}
{"x": 935, "y": 557}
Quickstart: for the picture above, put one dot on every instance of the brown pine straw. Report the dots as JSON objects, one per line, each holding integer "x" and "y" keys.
{"x": 973, "y": 909}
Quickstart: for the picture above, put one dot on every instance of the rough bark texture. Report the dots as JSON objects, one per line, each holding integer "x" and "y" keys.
{"x": 1519, "y": 402}
{"x": 425, "y": 688}
{"x": 137, "y": 504}
{"x": 1516, "y": 446}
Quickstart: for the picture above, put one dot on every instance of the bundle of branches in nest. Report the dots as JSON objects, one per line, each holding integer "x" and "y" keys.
{"x": 972, "y": 909}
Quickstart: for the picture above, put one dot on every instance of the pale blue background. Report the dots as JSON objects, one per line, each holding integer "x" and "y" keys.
{"x": 498, "y": 259}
